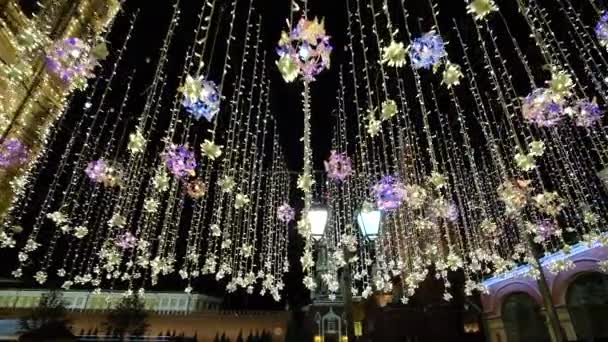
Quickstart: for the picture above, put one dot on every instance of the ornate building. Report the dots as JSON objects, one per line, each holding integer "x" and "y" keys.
{"x": 189, "y": 314}
{"x": 31, "y": 99}
{"x": 514, "y": 311}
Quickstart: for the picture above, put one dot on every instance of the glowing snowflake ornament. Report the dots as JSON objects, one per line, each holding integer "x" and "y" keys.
{"x": 481, "y": 8}
{"x": 389, "y": 109}
{"x": 389, "y": 193}
{"x": 427, "y": 51}
{"x": 241, "y": 201}
{"x": 201, "y": 98}
{"x": 543, "y": 108}
{"x": 211, "y": 150}
{"x": 137, "y": 142}
{"x": 338, "y": 167}
{"x": 374, "y": 126}
{"x": 451, "y": 75}
{"x": 394, "y": 54}
{"x": 561, "y": 83}
{"x": 304, "y": 50}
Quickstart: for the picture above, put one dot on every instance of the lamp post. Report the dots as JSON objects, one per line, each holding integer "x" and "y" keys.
{"x": 369, "y": 222}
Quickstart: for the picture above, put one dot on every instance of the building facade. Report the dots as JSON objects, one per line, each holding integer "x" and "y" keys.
{"x": 514, "y": 312}
{"x": 31, "y": 99}
{"x": 169, "y": 313}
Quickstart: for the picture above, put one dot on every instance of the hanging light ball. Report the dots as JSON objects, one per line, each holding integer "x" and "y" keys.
{"x": 601, "y": 30}
{"x": 100, "y": 171}
{"x": 196, "y": 189}
{"x": 389, "y": 193}
{"x": 180, "y": 161}
{"x": 304, "y": 50}
{"x": 126, "y": 241}
{"x": 13, "y": 153}
{"x": 587, "y": 113}
{"x": 201, "y": 98}
{"x": 96, "y": 170}
{"x": 338, "y": 167}
{"x": 70, "y": 59}
{"x": 427, "y": 51}
{"x": 285, "y": 213}
{"x": 542, "y": 108}
{"x": 546, "y": 229}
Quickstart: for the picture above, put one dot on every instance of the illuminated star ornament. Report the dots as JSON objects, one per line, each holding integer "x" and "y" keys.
{"x": 338, "y": 167}
{"x": 201, "y": 98}
{"x": 304, "y": 50}
{"x": 13, "y": 153}
{"x": 427, "y": 51}
{"x": 389, "y": 193}
{"x": 71, "y": 60}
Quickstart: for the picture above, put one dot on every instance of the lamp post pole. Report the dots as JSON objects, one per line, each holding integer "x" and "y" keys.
{"x": 348, "y": 297}
{"x": 552, "y": 319}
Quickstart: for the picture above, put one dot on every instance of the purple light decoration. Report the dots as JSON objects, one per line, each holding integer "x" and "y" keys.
{"x": 453, "y": 213}
{"x": 180, "y": 161}
{"x": 13, "y": 153}
{"x": 389, "y": 193}
{"x": 339, "y": 166}
{"x": 285, "y": 213}
{"x": 96, "y": 170}
{"x": 308, "y": 47}
{"x": 543, "y": 109}
{"x": 126, "y": 241}
{"x": 546, "y": 229}
{"x": 601, "y": 29}
{"x": 427, "y": 51}
{"x": 69, "y": 59}
{"x": 206, "y": 104}
{"x": 587, "y": 113}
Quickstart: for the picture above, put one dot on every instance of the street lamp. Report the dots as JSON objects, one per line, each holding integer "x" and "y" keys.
{"x": 317, "y": 217}
{"x": 369, "y": 223}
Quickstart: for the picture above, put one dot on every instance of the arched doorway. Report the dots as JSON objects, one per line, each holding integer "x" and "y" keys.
{"x": 523, "y": 319}
{"x": 587, "y": 300}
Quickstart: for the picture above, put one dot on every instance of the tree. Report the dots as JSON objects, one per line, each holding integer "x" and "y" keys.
{"x": 128, "y": 317}
{"x": 51, "y": 311}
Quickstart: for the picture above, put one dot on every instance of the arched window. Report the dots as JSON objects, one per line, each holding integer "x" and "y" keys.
{"x": 587, "y": 301}
{"x": 523, "y": 319}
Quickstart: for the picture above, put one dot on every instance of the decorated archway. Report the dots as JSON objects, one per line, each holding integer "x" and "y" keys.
{"x": 523, "y": 319}
{"x": 587, "y": 301}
